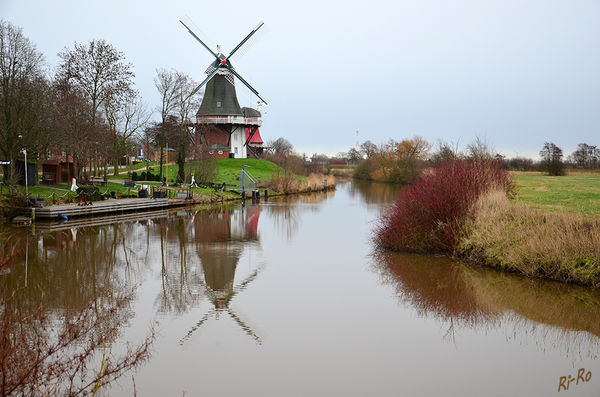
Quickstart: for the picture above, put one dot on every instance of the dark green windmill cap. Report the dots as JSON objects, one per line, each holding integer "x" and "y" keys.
{"x": 219, "y": 99}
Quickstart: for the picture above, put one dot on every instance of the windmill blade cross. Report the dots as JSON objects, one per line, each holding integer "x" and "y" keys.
{"x": 198, "y": 38}
{"x": 245, "y": 83}
{"x": 242, "y": 286}
{"x": 210, "y": 76}
{"x": 196, "y": 326}
{"x": 245, "y": 327}
{"x": 245, "y": 39}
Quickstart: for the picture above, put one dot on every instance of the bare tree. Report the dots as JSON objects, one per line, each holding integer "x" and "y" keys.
{"x": 101, "y": 74}
{"x": 168, "y": 83}
{"x": 586, "y": 156}
{"x": 46, "y": 353}
{"x": 22, "y": 93}
{"x": 281, "y": 147}
{"x": 368, "y": 149}
{"x": 72, "y": 123}
{"x": 445, "y": 152}
{"x": 126, "y": 119}
{"x": 480, "y": 149}
{"x": 552, "y": 159}
{"x": 187, "y": 104}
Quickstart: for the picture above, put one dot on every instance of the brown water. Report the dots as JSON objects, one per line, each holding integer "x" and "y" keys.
{"x": 287, "y": 298}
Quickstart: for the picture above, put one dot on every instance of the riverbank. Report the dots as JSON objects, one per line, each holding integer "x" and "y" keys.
{"x": 71, "y": 204}
{"x": 536, "y": 243}
{"x": 463, "y": 209}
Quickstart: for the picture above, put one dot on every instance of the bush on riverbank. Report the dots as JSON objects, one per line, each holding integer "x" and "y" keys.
{"x": 429, "y": 215}
{"x": 537, "y": 243}
{"x": 394, "y": 162}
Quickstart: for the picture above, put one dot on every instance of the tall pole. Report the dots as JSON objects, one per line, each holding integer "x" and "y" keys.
{"x": 26, "y": 184}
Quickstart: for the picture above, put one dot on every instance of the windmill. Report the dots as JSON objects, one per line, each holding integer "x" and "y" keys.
{"x": 226, "y": 129}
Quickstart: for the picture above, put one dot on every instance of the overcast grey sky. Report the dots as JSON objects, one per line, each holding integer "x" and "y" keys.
{"x": 516, "y": 72}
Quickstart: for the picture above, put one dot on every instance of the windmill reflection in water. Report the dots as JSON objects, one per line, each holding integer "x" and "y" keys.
{"x": 219, "y": 241}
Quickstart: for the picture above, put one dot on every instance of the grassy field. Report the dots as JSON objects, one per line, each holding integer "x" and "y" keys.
{"x": 227, "y": 170}
{"x": 573, "y": 193}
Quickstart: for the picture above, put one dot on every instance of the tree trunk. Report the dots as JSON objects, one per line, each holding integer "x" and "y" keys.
{"x": 75, "y": 167}
{"x": 116, "y": 165}
{"x": 11, "y": 174}
{"x": 181, "y": 165}
{"x": 161, "y": 162}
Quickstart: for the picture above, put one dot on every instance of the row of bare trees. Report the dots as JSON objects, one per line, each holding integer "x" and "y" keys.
{"x": 88, "y": 109}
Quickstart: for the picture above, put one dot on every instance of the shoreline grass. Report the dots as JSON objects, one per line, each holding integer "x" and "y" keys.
{"x": 536, "y": 243}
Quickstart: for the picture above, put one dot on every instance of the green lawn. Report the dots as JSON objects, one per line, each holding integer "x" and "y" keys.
{"x": 227, "y": 170}
{"x": 59, "y": 191}
{"x": 578, "y": 193}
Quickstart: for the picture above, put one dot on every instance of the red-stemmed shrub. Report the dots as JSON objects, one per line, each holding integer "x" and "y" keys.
{"x": 428, "y": 215}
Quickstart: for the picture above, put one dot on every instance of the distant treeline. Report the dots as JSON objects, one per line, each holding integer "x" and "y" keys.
{"x": 401, "y": 161}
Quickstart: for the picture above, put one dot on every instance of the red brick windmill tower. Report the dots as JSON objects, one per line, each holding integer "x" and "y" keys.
{"x": 225, "y": 129}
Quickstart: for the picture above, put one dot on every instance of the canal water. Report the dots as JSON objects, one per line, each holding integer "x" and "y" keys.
{"x": 288, "y": 298}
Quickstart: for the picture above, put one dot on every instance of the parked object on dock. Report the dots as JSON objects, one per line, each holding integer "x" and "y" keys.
{"x": 21, "y": 220}
{"x": 156, "y": 194}
{"x": 184, "y": 195}
{"x": 36, "y": 201}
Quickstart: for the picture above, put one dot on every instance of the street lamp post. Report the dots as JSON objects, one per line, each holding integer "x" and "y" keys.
{"x": 24, "y": 151}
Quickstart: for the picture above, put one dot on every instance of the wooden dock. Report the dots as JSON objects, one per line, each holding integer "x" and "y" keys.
{"x": 101, "y": 220}
{"x": 106, "y": 207}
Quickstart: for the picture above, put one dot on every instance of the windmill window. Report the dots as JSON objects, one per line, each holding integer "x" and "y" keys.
{"x": 218, "y": 104}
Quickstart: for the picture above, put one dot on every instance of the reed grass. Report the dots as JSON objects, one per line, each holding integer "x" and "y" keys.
{"x": 533, "y": 242}
{"x": 290, "y": 183}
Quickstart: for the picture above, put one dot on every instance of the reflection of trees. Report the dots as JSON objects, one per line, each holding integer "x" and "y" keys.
{"x": 181, "y": 275}
{"x": 482, "y": 298}
{"x": 71, "y": 267}
{"x": 373, "y": 192}
{"x": 434, "y": 286}
{"x": 61, "y": 308}
{"x": 286, "y": 218}
{"x": 286, "y": 211}
{"x": 54, "y": 352}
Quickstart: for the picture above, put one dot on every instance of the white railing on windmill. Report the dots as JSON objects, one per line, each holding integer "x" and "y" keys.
{"x": 241, "y": 120}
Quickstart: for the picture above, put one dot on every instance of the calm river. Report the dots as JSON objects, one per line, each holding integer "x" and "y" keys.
{"x": 287, "y": 298}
